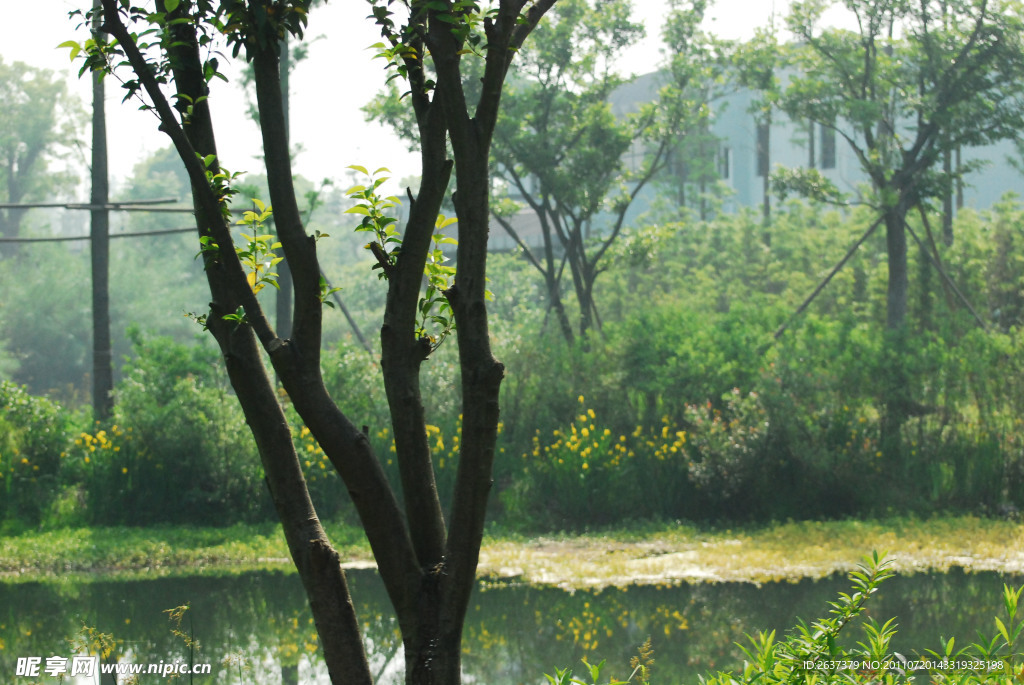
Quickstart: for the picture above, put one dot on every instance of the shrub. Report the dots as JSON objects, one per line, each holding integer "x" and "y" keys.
{"x": 179, "y": 450}
{"x": 33, "y": 435}
{"x": 727, "y": 445}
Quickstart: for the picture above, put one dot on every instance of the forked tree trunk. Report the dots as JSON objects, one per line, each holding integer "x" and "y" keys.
{"x": 428, "y": 568}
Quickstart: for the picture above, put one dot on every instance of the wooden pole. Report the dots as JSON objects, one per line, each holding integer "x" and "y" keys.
{"x": 102, "y": 354}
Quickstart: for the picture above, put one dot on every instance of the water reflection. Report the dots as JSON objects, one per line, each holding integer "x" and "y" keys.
{"x": 255, "y": 628}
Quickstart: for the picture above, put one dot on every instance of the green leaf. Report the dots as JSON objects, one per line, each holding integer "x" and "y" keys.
{"x": 360, "y": 169}
{"x": 171, "y": 5}
{"x": 74, "y": 47}
{"x": 1002, "y": 630}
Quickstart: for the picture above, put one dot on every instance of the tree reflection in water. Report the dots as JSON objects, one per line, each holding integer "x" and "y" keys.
{"x": 255, "y": 628}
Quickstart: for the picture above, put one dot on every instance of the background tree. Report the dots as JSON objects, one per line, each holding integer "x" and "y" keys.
{"x": 564, "y": 153}
{"x": 559, "y": 147}
{"x": 756, "y": 64}
{"x": 579, "y": 166}
{"x": 35, "y": 128}
{"x": 427, "y": 565}
{"x": 693, "y": 77}
{"x": 914, "y": 81}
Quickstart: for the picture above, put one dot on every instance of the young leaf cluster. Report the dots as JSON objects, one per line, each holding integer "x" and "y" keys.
{"x": 386, "y": 243}
{"x": 257, "y": 255}
{"x": 220, "y": 180}
{"x": 433, "y": 307}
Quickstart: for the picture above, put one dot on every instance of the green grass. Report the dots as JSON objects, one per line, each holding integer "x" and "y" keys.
{"x": 667, "y": 553}
{"x": 120, "y": 551}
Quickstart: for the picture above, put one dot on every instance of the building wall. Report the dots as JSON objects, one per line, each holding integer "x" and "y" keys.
{"x": 735, "y": 125}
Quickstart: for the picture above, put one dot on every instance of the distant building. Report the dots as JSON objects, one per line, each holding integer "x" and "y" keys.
{"x": 743, "y": 151}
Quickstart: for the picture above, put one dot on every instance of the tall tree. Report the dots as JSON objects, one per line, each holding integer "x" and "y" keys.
{"x": 427, "y": 564}
{"x": 577, "y": 166}
{"x": 289, "y": 57}
{"x": 560, "y": 148}
{"x": 913, "y": 81}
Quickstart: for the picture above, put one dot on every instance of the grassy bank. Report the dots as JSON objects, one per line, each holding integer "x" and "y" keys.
{"x": 651, "y": 554}
{"x": 117, "y": 551}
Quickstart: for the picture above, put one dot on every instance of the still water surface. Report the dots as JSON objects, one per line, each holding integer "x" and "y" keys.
{"x": 254, "y": 627}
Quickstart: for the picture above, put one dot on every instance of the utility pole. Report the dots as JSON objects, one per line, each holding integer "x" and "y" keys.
{"x": 102, "y": 355}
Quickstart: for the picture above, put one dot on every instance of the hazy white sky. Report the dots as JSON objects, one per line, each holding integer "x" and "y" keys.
{"x": 327, "y": 90}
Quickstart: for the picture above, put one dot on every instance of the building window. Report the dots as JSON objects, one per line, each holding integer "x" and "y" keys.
{"x": 724, "y": 162}
{"x": 763, "y": 141}
{"x": 828, "y": 147}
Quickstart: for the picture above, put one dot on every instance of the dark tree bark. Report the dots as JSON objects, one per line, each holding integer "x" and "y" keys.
{"x": 283, "y": 301}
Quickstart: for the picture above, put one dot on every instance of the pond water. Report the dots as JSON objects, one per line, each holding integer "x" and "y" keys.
{"x": 254, "y": 627}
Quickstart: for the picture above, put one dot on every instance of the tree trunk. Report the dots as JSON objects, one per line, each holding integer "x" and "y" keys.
{"x": 896, "y": 249}
{"x": 765, "y": 168}
{"x": 428, "y": 574}
{"x": 924, "y": 287}
{"x": 947, "y": 200}
{"x": 552, "y": 277}
{"x": 896, "y": 384}
{"x": 283, "y": 301}
{"x": 558, "y": 305}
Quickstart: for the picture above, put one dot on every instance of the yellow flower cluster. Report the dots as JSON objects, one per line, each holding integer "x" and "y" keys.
{"x": 101, "y": 440}
{"x": 670, "y": 619}
{"x": 314, "y": 461}
{"x": 587, "y": 445}
{"x": 435, "y": 440}
{"x": 101, "y": 444}
{"x": 22, "y": 466}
